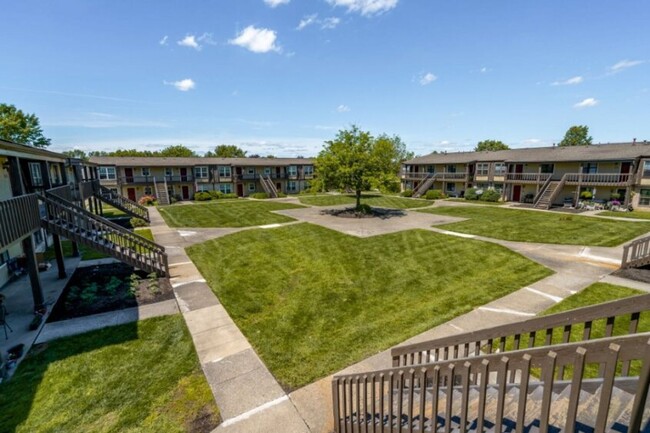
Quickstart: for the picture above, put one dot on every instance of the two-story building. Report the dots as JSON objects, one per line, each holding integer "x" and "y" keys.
{"x": 134, "y": 177}
{"x": 544, "y": 176}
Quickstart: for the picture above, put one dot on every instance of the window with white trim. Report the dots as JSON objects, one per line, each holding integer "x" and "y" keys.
{"x": 589, "y": 168}
{"x": 202, "y": 188}
{"x": 292, "y": 186}
{"x": 644, "y": 197}
{"x": 308, "y": 170}
{"x": 451, "y": 168}
{"x": 169, "y": 171}
{"x": 451, "y": 187}
{"x": 499, "y": 168}
{"x": 201, "y": 172}
{"x": 267, "y": 171}
{"x": 35, "y": 171}
{"x": 546, "y": 168}
{"x": 225, "y": 171}
{"x": 225, "y": 188}
{"x": 251, "y": 170}
{"x": 146, "y": 171}
{"x": 292, "y": 170}
{"x": 482, "y": 169}
{"x": 251, "y": 187}
{"x": 147, "y": 190}
{"x": 107, "y": 173}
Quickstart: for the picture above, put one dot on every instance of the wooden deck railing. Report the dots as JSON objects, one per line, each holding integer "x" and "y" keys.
{"x": 122, "y": 203}
{"x": 475, "y": 393}
{"x": 636, "y": 253}
{"x": 598, "y": 178}
{"x": 87, "y": 188}
{"x": 553, "y": 329}
{"x": 19, "y": 217}
{"x": 64, "y": 192}
{"x": 528, "y": 177}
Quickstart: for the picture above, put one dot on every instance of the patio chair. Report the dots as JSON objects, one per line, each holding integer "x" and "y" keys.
{"x": 3, "y": 319}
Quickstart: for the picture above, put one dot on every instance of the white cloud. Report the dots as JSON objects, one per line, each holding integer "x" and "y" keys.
{"x": 256, "y": 40}
{"x": 306, "y": 21}
{"x": 427, "y": 78}
{"x": 573, "y": 80}
{"x": 342, "y": 108}
{"x": 189, "y": 41}
{"x": 625, "y": 64}
{"x": 276, "y": 3}
{"x": 484, "y": 70}
{"x": 182, "y": 85}
{"x": 163, "y": 41}
{"x": 330, "y": 23}
{"x": 589, "y": 102}
{"x": 365, "y": 7}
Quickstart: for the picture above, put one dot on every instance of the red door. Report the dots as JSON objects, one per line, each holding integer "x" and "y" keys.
{"x": 240, "y": 190}
{"x": 130, "y": 192}
{"x": 186, "y": 192}
{"x": 183, "y": 175}
{"x": 516, "y": 193}
{"x": 626, "y": 167}
{"x": 519, "y": 168}
{"x": 128, "y": 173}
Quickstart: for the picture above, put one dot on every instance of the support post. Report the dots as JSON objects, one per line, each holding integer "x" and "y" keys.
{"x": 32, "y": 270}
{"x": 15, "y": 177}
{"x": 58, "y": 251}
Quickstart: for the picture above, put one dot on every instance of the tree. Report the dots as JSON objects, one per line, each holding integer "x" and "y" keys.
{"x": 21, "y": 128}
{"x": 389, "y": 152}
{"x": 76, "y": 153}
{"x": 491, "y": 145}
{"x": 177, "y": 151}
{"x": 227, "y": 151}
{"x": 577, "y": 135}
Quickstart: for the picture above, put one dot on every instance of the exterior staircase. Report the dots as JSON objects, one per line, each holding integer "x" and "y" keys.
{"x": 424, "y": 186}
{"x": 268, "y": 186}
{"x": 548, "y": 193}
{"x": 162, "y": 194}
{"x": 484, "y": 381}
{"x": 122, "y": 203}
{"x": 636, "y": 254}
{"x": 66, "y": 219}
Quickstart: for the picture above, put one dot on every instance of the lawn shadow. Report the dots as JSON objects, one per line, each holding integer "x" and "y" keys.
{"x": 375, "y": 212}
{"x": 17, "y": 394}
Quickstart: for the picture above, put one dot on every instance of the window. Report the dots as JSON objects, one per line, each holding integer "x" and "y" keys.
{"x": 267, "y": 171}
{"x": 169, "y": 171}
{"x": 251, "y": 170}
{"x": 499, "y": 169}
{"x": 224, "y": 171}
{"x": 482, "y": 169}
{"x": 146, "y": 171}
{"x": 451, "y": 168}
{"x": 251, "y": 187}
{"x": 170, "y": 191}
{"x": 201, "y": 172}
{"x": 546, "y": 168}
{"x": 646, "y": 168}
{"x": 291, "y": 186}
{"x": 589, "y": 168}
{"x": 644, "y": 197}
{"x": 431, "y": 169}
{"x": 35, "y": 171}
{"x": 225, "y": 188}
{"x": 309, "y": 170}
{"x": 147, "y": 190}
{"x": 292, "y": 170}
{"x": 202, "y": 188}
{"x": 451, "y": 187}
{"x": 107, "y": 173}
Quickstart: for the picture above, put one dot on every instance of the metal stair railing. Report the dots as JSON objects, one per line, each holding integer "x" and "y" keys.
{"x": 120, "y": 202}
{"x": 77, "y": 224}
{"x": 408, "y": 399}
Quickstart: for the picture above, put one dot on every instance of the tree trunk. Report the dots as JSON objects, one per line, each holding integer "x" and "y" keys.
{"x": 358, "y": 198}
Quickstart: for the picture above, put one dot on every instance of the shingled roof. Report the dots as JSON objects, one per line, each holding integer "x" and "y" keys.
{"x": 595, "y": 152}
{"x": 156, "y": 161}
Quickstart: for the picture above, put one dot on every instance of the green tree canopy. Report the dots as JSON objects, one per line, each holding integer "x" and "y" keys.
{"x": 389, "y": 152}
{"x": 491, "y": 145}
{"x": 22, "y": 128}
{"x": 76, "y": 153}
{"x": 177, "y": 151}
{"x": 226, "y": 151}
{"x": 577, "y": 135}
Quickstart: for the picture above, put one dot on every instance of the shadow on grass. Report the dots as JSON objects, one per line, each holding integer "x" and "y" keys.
{"x": 375, "y": 212}
{"x": 17, "y": 395}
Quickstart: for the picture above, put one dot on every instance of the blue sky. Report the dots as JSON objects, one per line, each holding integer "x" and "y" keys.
{"x": 282, "y": 76}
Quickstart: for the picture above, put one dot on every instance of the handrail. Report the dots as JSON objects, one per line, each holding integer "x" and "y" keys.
{"x": 125, "y": 203}
{"x": 636, "y": 251}
{"x": 406, "y": 399}
{"x": 539, "y": 195}
{"x": 425, "y": 184}
{"x": 462, "y": 345}
{"x": 618, "y": 178}
{"x": 527, "y": 177}
{"x": 64, "y": 192}
{"x": 88, "y": 188}
{"x": 19, "y": 217}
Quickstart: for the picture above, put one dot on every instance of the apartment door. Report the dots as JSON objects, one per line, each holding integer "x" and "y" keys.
{"x": 626, "y": 167}
{"x": 519, "y": 168}
{"x": 185, "y": 192}
{"x": 130, "y": 192}
{"x": 278, "y": 172}
{"x": 240, "y": 189}
{"x": 278, "y": 186}
{"x": 128, "y": 174}
{"x": 183, "y": 172}
{"x": 516, "y": 193}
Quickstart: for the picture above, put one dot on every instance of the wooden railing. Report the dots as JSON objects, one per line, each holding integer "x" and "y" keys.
{"x": 510, "y": 336}
{"x": 77, "y": 224}
{"x": 88, "y": 188}
{"x": 475, "y": 393}
{"x": 122, "y": 203}
{"x": 440, "y": 175}
{"x": 598, "y": 178}
{"x": 542, "y": 190}
{"x": 636, "y": 253}
{"x": 64, "y": 192}
{"x": 19, "y": 217}
{"x": 528, "y": 177}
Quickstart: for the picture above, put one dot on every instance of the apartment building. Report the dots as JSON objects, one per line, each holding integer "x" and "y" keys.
{"x": 134, "y": 177}
{"x": 544, "y": 176}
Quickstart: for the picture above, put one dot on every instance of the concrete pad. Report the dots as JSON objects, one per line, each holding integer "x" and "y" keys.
{"x": 232, "y": 366}
{"x": 217, "y": 337}
{"x": 194, "y": 296}
{"x": 244, "y": 393}
{"x": 279, "y": 418}
{"x": 207, "y": 318}
{"x": 639, "y": 285}
{"x": 221, "y": 351}
{"x": 314, "y": 403}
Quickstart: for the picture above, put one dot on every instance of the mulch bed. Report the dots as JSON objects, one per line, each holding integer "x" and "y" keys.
{"x": 351, "y": 212}
{"x": 103, "y": 288}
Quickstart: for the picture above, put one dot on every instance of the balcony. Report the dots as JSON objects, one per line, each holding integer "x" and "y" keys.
{"x": 604, "y": 179}
{"x": 438, "y": 175}
{"x": 19, "y": 217}
{"x": 149, "y": 179}
{"x": 527, "y": 177}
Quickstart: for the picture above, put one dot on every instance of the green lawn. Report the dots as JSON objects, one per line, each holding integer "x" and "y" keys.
{"x": 142, "y": 377}
{"x": 87, "y": 253}
{"x": 313, "y": 300}
{"x": 145, "y": 233}
{"x": 487, "y": 203}
{"x": 112, "y": 212}
{"x": 389, "y": 202}
{"x": 543, "y": 227}
{"x": 241, "y": 213}
{"x": 641, "y": 215}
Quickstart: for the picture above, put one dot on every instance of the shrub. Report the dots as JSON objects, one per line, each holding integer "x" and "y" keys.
{"x": 615, "y": 196}
{"x": 491, "y": 195}
{"x": 231, "y": 195}
{"x": 471, "y": 194}
{"x": 434, "y": 194}
{"x": 259, "y": 195}
{"x": 281, "y": 194}
{"x": 147, "y": 200}
{"x": 138, "y": 222}
{"x": 586, "y": 195}
{"x": 202, "y": 196}
{"x": 407, "y": 193}
{"x": 216, "y": 194}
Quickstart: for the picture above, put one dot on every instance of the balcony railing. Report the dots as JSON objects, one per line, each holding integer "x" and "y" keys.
{"x": 149, "y": 179}
{"x": 598, "y": 178}
{"x": 527, "y": 177}
{"x": 438, "y": 175}
{"x": 19, "y": 217}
